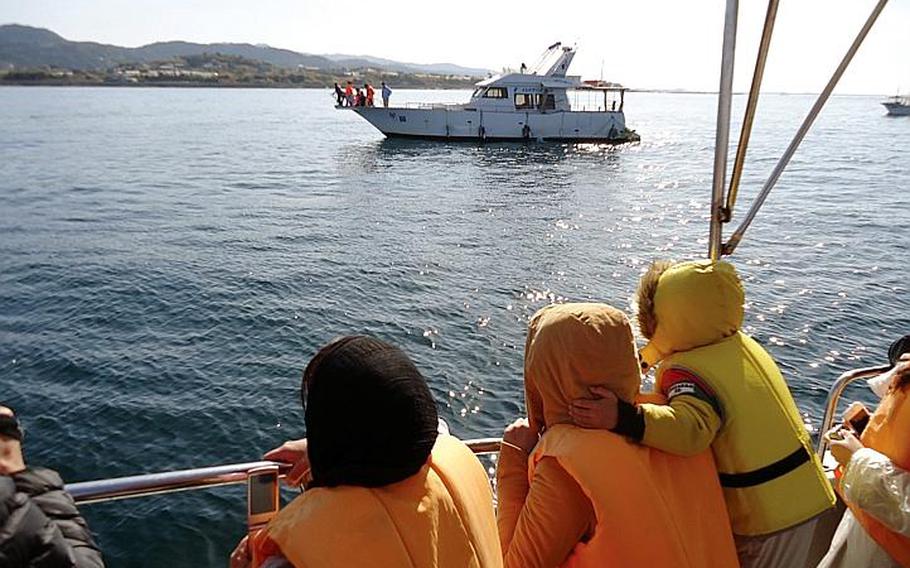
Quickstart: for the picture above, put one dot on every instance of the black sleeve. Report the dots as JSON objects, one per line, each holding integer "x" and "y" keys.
{"x": 45, "y": 488}
{"x": 28, "y": 539}
{"x": 630, "y": 421}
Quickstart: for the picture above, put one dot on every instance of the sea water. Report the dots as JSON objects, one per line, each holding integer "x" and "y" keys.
{"x": 170, "y": 259}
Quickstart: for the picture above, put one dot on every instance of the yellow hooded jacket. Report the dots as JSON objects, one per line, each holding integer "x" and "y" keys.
{"x": 649, "y": 508}
{"x": 726, "y": 391}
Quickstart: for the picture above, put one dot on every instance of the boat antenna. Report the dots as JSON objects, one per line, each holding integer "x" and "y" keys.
{"x": 542, "y": 58}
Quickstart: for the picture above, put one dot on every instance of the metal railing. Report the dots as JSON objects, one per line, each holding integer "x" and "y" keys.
{"x": 98, "y": 491}
{"x": 101, "y": 490}
{"x": 434, "y": 106}
{"x": 834, "y": 394}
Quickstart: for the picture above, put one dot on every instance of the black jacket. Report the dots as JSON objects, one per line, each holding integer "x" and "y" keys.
{"x": 40, "y": 526}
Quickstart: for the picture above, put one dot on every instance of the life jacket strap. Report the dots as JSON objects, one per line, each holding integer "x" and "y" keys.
{"x": 767, "y": 473}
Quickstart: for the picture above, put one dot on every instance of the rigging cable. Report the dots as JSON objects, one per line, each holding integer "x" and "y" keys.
{"x": 737, "y": 235}
{"x": 751, "y": 106}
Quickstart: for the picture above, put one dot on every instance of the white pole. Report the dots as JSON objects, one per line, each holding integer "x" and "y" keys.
{"x": 722, "y": 138}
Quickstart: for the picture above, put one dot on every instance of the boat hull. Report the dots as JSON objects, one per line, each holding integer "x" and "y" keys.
{"x": 897, "y": 109}
{"x": 477, "y": 125}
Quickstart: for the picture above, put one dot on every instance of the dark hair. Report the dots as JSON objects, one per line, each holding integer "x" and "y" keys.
{"x": 10, "y": 427}
{"x": 898, "y": 348}
{"x": 370, "y": 417}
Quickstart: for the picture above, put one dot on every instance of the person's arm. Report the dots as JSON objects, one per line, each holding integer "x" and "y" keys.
{"x": 27, "y": 536}
{"x": 512, "y": 488}
{"x": 45, "y": 489}
{"x": 293, "y": 452}
{"x": 554, "y": 516}
{"x": 685, "y": 426}
{"x": 873, "y": 483}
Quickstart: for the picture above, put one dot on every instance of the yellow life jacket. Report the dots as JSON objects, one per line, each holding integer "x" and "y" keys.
{"x": 653, "y": 508}
{"x": 771, "y": 478}
{"x": 887, "y": 433}
{"x": 440, "y": 517}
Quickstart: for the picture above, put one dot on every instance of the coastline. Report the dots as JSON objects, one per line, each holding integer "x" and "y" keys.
{"x": 453, "y": 85}
{"x": 206, "y": 85}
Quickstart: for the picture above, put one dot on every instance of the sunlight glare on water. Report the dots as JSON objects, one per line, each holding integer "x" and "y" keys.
{"x": 170, "y": 259}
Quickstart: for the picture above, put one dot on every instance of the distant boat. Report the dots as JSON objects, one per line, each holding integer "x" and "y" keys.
{"x": 532, "y": 105}
{"x": 898, "y": 105}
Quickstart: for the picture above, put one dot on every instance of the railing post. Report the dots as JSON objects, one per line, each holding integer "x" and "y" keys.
{"x": 834, "y": 394}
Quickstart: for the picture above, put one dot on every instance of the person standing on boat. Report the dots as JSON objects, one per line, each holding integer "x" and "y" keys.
{"x": 339, "y": 94}
{"x": 349, "y": 93}
{"x": 39, "y": 523}
{"x": 384, "y": 487}
{"x": 386, "y": 93}
{"x": 580, "y": 498}
{"x": 370, "y": 92}
{"x": 725, "y": 392}
{"x": 875, "y": 477}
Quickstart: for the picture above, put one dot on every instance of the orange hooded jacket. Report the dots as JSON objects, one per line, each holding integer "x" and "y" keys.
{"x": 592, "y": 498}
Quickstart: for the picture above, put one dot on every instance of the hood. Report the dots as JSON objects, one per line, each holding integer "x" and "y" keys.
{"x": 572, "y": 347}
{"x": 695, "y": 303}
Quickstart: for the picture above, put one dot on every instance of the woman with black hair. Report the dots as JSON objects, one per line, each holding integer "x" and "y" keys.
{"x": 383, "y": 487}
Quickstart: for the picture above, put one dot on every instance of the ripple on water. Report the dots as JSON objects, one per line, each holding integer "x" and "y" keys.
{"x": 159, "y": 296}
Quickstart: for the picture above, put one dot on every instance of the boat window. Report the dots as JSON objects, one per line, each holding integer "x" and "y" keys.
{"x": 477, "y": 92}
{"x": 523, "y": 101}
{"x": 546, "y": 102}
{"x": 496, "y": 93}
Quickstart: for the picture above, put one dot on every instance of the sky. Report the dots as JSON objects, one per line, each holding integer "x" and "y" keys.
{"x": 640, "y": 43}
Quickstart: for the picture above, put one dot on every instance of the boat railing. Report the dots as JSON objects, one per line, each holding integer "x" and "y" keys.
{"x": 145, "y": 485}
{"x": 434, "y": 106}
{"x": 834, "y": 395}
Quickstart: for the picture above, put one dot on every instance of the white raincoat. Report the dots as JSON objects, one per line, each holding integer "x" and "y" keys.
{"x": 873, "y": 483}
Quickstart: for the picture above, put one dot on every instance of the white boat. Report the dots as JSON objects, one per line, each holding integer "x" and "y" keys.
{"x": 898, "y": 105}
{"x": 531, "y": 105}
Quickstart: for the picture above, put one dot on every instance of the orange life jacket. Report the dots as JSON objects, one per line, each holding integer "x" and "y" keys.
{"x": 653, "y": 508}
{"x": 887, "y": 433}
{"x": 440, "y": 517}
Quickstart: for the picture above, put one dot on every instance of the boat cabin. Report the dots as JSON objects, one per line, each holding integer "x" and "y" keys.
{"x": 547, "y": 88}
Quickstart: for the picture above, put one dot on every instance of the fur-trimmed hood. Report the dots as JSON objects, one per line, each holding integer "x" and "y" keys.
{"x": 687, "y": 305}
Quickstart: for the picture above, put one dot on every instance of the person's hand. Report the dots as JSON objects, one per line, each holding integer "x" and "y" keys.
{"x": 520, "y": 435}
{"x": 843, "y": 444}
{"x": 601, "y": 412}
{"x": 241, "y": 557}
{"x": 11, "y": 460}
{"x": 293, "y": 452}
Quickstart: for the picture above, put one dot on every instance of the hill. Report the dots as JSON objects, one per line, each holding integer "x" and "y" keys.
{"x": 220, "y": 70}
{"x": 25, "y": 47}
